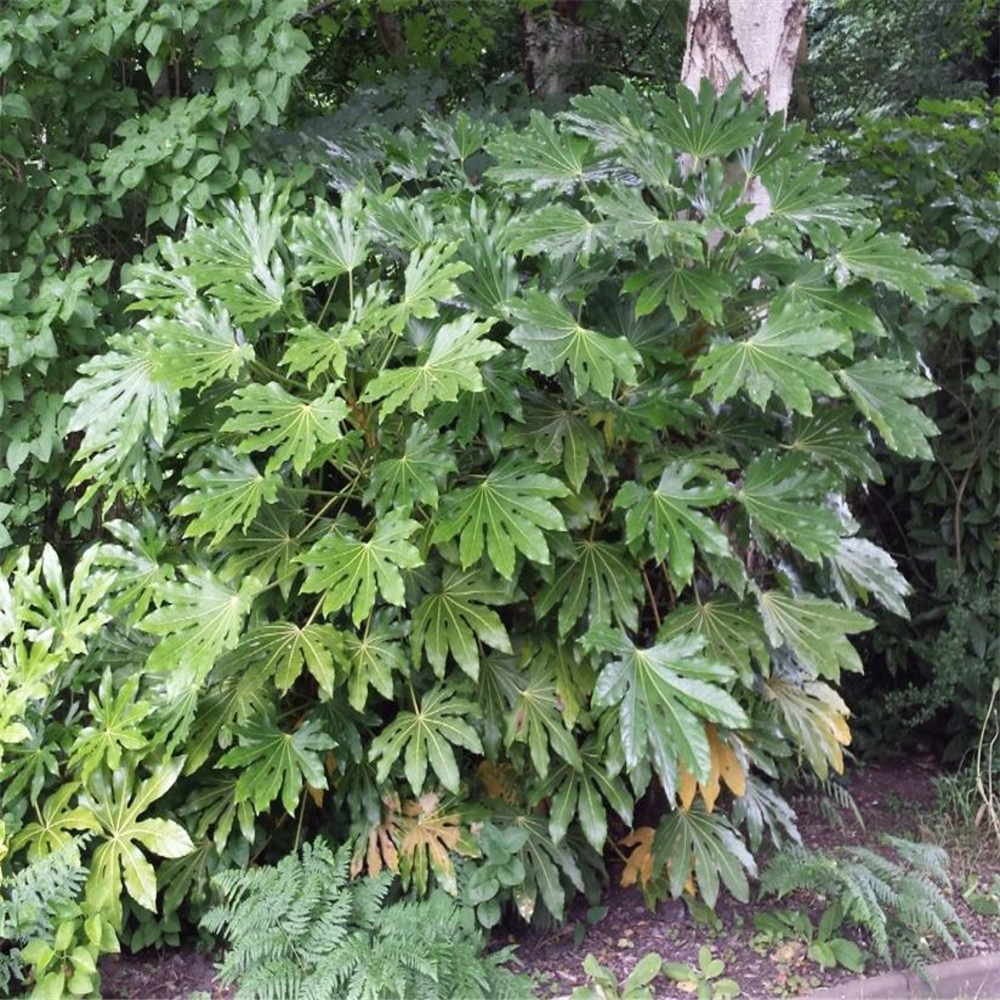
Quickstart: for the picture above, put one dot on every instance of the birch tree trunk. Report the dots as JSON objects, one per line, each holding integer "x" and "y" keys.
{"x": 756, "y": 38}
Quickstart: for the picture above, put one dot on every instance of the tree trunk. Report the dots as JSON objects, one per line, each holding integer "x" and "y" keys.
{"x": 756, "y": 38}
{"x": 554, "y": 45}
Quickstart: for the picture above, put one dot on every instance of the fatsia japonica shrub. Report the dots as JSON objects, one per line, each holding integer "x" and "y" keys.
{"x": 492, "y": 504}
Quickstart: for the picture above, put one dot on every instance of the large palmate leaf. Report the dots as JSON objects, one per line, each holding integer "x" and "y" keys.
{"x": 861, "y": 566}
{"x": 282, "y": 649}
{"x": 457, "y": 616}
{"x": 317, "y": 351}
{"x": 832, "y": 438}
{"x": 884, "y": 257}
{"x": 610, "y": 118}
{"x": 705, "y": 126}
{"x": 450, "y": 366}
{"x": 539, "y": 158}
{"x": 815, "y": 717}
{"x": 810, "y": 289}
{"x": 558, "y": 431}
{"x": 272, "y": 762}
{"x": 582, "y": 792}
{"x": 347, "y": 570}
{"x": 553, "y": 337}
{"x": 269, "y": 417}
{"x": 428, "y": 280}
{"x": 669, "y": 518}
{"x": 118, "y": 402}
{"x": 330, "y": 241}
{"x": 199, "y": 618}
{"x": 117, "y": 802}
{"x": 558, "y": 231}
{"x": 694, "y": 288}
{"x": 799, "y": 194}
{"x": 814, "y": 630}
{"x": 733, "y": 633}
{"x": 631, "y": 218}
{"x": 509, "y": 511}
{"x": 198, "y": 347}
{"x": 116, "y": 726}
{"x": 236, "y": 257}
{"x": 412, "y": 475}
{"x": 777, "y": 360}
{"x": 375, "y": 657}
{"x": 599, "y": 581}
{"x": 225, "y": 493}
{"x": 427, "y": 735}
{"x": 693, "y": 841}
{"x": 664, "y": 695}
{"x": 881, "y": 390}
{"x": 784, "y": 498}
{"x": 535, "y": 715}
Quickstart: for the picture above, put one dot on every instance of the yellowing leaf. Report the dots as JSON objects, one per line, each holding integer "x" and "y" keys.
{"x": 639, "y": 863}
{"x": 725, "y": 766}
{"x": 427, "y": 838}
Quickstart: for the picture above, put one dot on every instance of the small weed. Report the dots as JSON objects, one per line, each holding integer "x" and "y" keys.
{"x": 603, "y": 985}
{"x": 705, "y": 978}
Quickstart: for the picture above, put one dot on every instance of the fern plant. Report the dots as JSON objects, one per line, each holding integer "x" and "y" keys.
{"x": 901, "y": 901}
{"x": 302, "y": 929}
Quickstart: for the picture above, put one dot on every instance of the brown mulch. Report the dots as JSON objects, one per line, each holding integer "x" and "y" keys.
{"x": 896, "y": 797}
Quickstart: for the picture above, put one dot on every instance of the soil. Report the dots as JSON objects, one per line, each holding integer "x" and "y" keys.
{"x": 897, "y": 797}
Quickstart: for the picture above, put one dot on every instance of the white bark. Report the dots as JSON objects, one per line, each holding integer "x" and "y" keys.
{"x": 756, "y": 38}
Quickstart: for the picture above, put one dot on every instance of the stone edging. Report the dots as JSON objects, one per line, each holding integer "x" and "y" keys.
{"x": 975, "y": 978}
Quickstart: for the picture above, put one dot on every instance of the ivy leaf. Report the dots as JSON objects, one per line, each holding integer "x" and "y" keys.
{"x": 508, "y": 510}
{"x": 273, "y": 762}
{"x": 539, "y": 158}
{"x": 733, "y": 633}
{"x": 695, "y": 841}
{"x": 669, "y": 518}
{"x": 780, "y": 495}
{"x": 860, "y": 565}
{"x": 881, "y": 390}
{"x": 427, "y": 735}
{"x": 833, "y": 439}
{"x": 349, "y": 571}
{"x": 664, "y": 695}
{"x": 600, "y": 581}
{"x": 330, "y": 241}
{"x": 226, "y": 492}
{"x": 398, "y": 483}
{"x": 814, "y": 630}
{"x": 198, "y": 347}
{"x": 775, "y": 360}
{"x": 553, "y": 338}
{"x": 116, "y": 803}
{"x": 457, "y": 617}
{"x": 429, "y": 279}
{"x": 450, "y": 367}
{"x": 884, "y": 257}
{"x": 815, "y": 718}
{"x": 682, "y": 288}
{"x": 274, "y": 418}
{"x": 118, "y": 403}
{"x": 199, "y": 618}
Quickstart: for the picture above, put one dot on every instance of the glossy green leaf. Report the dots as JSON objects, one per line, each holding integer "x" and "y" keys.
{"x": 509, "y": 511}
{"x": 269, "y": 417}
